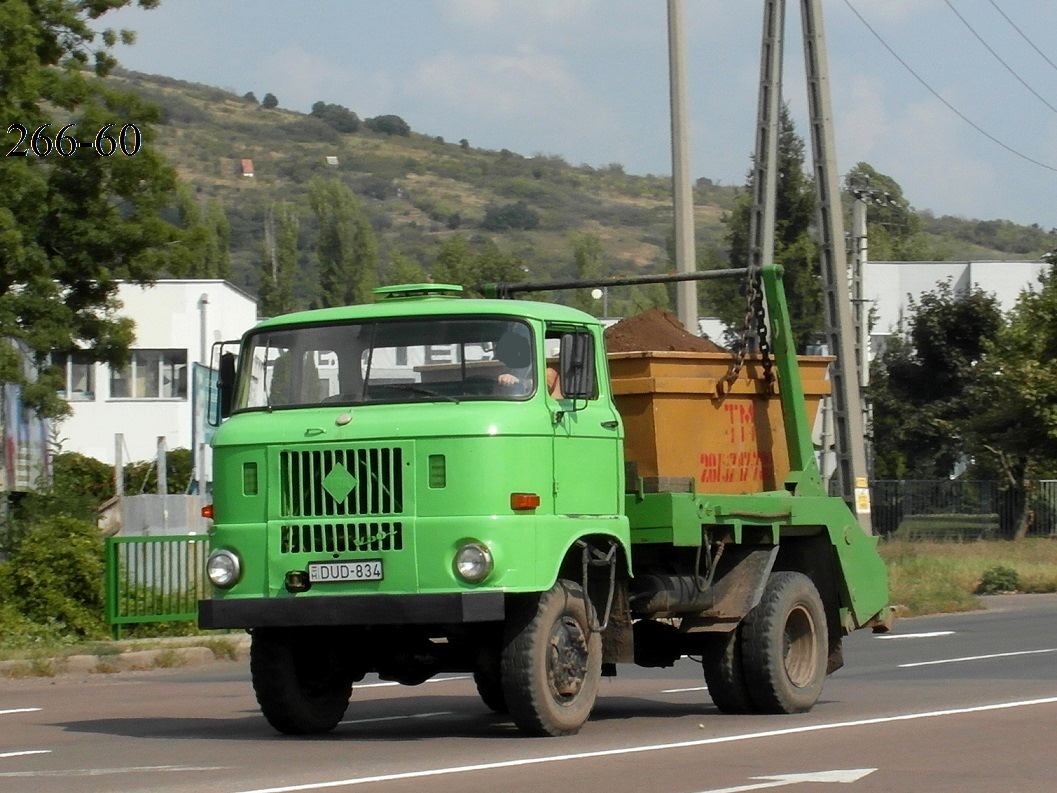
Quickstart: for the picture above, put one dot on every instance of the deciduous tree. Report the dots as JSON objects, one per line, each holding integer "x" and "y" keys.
{"x": 279, "y": 260}
{"x": 72, "y": 222}
{"x": 921, "y": 382}
{"x": 1010, "y": 415}
{"x": 346, "y": 249}
{"x": 587, "y": 265}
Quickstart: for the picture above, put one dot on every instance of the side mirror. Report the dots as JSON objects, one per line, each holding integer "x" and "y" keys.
{"x": 577, "y": 366}
{"x": 226, "y": 384}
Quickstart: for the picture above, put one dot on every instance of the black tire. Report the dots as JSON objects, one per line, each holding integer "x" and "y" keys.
{"x": 724, "y": 676}
{"x": 299, "y": 681}
{"x": 784, "y": 641}
{"x": 490, "y": 687}
{"x": 551, "y": 662}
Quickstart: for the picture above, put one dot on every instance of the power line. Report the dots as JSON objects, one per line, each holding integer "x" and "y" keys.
{"x": 997, "y": 57}
{"x": 1022, "y": 34}
{"x": 946, "y": 104}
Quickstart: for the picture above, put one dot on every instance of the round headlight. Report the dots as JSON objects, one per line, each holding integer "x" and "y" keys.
{"x": 223, "y": 569}
{"x": 473, "y": 562}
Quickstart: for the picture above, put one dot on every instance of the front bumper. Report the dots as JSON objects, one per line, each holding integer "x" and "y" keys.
{"x": 431, "y": 609}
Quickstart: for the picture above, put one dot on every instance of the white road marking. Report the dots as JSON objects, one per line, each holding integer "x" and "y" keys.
{"x": 397, "y": 718}
{"x": 925, "y": 635}
{"x": 19, "y": 710}
{"x": 394, "y": 683}
{"x": 147, "y": 769}
{"x": 23, "y": 754}
{"x": 782, "y": 780}
{"x": 559, "y": 758}
{"x": 683, "y": 690}
{"x": 977, "y": 658}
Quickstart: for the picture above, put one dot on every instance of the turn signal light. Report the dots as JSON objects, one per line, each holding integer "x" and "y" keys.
{"x": 207, "y": 512}
{"x": 519, "y": 501}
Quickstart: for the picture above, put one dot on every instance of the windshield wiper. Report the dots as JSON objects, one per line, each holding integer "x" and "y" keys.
{"x": 414, "y": 389}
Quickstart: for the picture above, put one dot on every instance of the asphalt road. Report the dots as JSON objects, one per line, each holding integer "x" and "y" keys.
{"x": 947, "y": 703}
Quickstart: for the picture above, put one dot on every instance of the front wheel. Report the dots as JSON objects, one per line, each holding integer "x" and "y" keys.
{"x": 551, "y": 662}
{"x": 299, "y": 681}
{"x": 784, "y": 641}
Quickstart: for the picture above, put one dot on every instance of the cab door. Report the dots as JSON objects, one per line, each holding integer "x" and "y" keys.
{"x": 588, "y": 433}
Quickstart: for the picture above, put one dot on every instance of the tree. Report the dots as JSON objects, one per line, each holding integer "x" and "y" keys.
{"x": 269, "y": 102}
{"x": 389, "y": 125}
{"x": 72, "y": 223}
{"x": 403, "y": 270}
{"x": 203, "y": 251}
{"x": 893, "y": 229}
{"x": 1010, "y": 419}
{"x": 510, "y": 216}
{"x": 337, "y": 116}
{"x": 921, "y": 383}
{"x": 458, "y": 263}
{"x": 345, "y": 248}
{"x": 279, "y": 260}
{"x": 795, "y": 248}
{"x": 251, "y": 97}
{"x": 587, "y": 265}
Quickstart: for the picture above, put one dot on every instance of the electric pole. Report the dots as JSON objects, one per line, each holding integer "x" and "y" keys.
{"x": 851, "y": 473}
{"x": 685, "y": 260}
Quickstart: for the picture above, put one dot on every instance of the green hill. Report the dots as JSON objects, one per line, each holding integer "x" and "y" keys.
{"x": 419, "y": 190}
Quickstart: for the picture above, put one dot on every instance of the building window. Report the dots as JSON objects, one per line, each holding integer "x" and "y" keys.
{"x": 79, "y": 369}
{"x": 151, "y": 374}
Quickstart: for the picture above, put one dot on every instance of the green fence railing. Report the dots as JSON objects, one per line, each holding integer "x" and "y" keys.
{"x": 154, "y": 579}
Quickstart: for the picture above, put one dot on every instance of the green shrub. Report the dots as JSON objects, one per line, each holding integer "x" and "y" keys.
{"x": 56, "y": 576}
{"x": 999, "y": 579}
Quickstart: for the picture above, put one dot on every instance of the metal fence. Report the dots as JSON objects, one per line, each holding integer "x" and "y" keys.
{"x": 154, "y": 579}
{"x": 959, "y": 508}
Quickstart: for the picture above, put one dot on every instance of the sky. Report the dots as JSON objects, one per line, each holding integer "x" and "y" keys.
{"x": 954, "y": 99}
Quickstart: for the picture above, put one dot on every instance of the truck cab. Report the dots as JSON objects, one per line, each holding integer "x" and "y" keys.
{"x": 389, "y": 475}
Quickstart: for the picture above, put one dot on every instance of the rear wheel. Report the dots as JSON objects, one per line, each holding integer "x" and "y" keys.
{"x": 299, "y": 681}
{"x": 551, "y": 662}
{"x": 724, "y": 676}
{"x": 784, "y": 645}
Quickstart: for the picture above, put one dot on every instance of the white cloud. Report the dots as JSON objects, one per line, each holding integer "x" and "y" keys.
{"x": 509, "y": 85}
{"x": 515, "y": 14}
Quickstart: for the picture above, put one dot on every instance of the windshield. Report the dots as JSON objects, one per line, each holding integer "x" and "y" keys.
{"x": 399, "y": 360}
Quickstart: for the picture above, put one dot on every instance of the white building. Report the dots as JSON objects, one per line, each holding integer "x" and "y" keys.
{"x": 887, "y": 286}
{"x": 176, "y": 323}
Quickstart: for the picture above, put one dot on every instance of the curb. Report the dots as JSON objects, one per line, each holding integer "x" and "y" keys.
{"x": 184, "y": 651}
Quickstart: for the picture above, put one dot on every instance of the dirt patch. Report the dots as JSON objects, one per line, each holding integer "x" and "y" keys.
{"x": 655, "y": 330}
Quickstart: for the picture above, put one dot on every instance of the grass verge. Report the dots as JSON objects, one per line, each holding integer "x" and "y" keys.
{"x": 943, "y": 577}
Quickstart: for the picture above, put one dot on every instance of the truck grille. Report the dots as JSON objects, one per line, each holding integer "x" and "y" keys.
{"x": 339, "y": 537}
{"x": 330, "y": 483}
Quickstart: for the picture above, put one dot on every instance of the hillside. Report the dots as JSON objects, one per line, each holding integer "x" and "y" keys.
{"x": 419, "y": 190}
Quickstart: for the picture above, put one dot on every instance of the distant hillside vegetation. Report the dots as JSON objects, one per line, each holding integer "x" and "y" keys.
{"x": 419, "y": 190}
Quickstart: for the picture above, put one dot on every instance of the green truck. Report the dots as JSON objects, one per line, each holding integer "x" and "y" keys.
{"x": 401, "y": 488}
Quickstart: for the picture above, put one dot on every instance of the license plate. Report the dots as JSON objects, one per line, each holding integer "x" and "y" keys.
{"x": 359, "y": 570}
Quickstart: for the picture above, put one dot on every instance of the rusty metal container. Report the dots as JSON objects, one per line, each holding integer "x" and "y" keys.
{"x": 681, "y": 419}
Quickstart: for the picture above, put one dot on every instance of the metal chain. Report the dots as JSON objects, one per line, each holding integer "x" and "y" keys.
{"x": 762, "y": 338}
{"x": 741, "y": 346}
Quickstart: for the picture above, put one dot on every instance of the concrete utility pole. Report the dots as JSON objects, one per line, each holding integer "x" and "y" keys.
{"x": 858, "y": 287}
{"x": 765, "y": 161}
{"x": 686, "y": 292}
{"x": 851, "y": 473}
